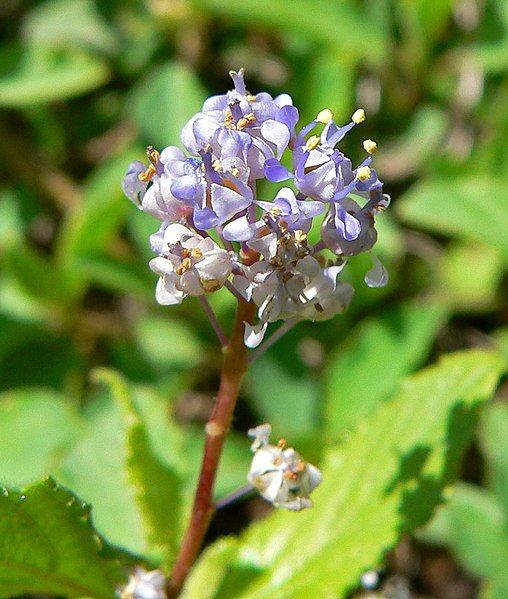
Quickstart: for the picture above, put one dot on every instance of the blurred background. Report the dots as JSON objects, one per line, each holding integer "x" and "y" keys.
{"x": 85, "y": 85}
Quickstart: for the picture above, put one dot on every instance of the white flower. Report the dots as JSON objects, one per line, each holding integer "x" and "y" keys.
{"x": 189, "y": 264}
{"x": 290, "y": 282}
{"x": 144, "y": 585}
{"x": 280, "y": 474}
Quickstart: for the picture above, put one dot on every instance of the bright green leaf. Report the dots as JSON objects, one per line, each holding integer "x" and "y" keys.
{"x": 468, "y": 276}
{"x": 37, "y": 426}
{"x": 164, "y": 101}
{"x": 157, "y": 487}
{"x": 473, "y": 207}
{"x": 62, "y": 23}
{"x": 49, "y": 546}
{"x": 51, "y": 75}
{"x": 385, "y": 479}
{"x": 367, "y": 368}
{"x": 472, "y": 524}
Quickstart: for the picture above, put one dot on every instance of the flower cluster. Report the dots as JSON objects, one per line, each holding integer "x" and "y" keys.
{"x": 279, "y": 473}
{"x": 215, "y": 231}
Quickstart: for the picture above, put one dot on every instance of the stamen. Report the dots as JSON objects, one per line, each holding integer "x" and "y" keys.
{"x": 282, "y": 443}
{"x": 358, "y": 116}
{"x": 363, "y": 173}
{"x": 153, "y": 154}
{"x": 370, "y": 146}
{"x": 325, "y": 116}
{"x": 245, "y": 121}
{"x": 184, "y": 266}
{"x": 148, "y": 174}
{"x": 312, "y": 142}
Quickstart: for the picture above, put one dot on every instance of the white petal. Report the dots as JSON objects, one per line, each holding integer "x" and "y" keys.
{"x": 254, "y": 334}
{"x": 377, "y": 276}
{"x": 260, "y": 434}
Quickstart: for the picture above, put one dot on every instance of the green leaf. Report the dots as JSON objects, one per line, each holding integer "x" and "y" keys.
{"x": 494, "y": 442}
{"x": 367, "y": 368}
{"x": 405, "y": 156}
{"x": 472, "y": 524}
{"x": 49, "y": 546}
{"x": 473, "y": 207}
{"x": 318, "y": 20}
{"x": 385, "y": 480}
{"x": 476, "y": 291}
{"x": 28, "y": 451}
{"x": 48, "y": 75}
{"x": 206, "y": 577}
{"x": 276, "y": 392}
{"x": 90, "y": 225}
{"x": 173, "y": 86}
{"x": 157, "y": 487}
{"x": 167, "y": 343}
{"x": 59, "y": 23}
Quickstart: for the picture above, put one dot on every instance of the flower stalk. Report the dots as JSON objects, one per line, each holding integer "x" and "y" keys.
{"x": 233, "y": 370}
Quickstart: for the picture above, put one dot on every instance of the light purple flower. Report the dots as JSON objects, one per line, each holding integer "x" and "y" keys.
{"x": 239, "y": 124}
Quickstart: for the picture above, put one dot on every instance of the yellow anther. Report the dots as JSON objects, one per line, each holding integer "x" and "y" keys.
{"x": 312, "y": 142}
{"x": 196, "y": 253}
{"x": 282, "y": 443}
{"x": 325, "y": 116}
{"x": 275, "y": 211}
{"x": 184, "y": 266}
{"x": 216, "y": 165}
{"x": 228, "y": 118}
{"x": 235, "y": 172}
{"x": 251, "y": 98}
{"x": 358, "y": 116}
{"x": 246, "y": 120}
{"x": 300, "y": 236}
{"x": 153, "y": 154}
{"x": 370, "y": 146}
{"x": 148, "y": 174}
{"x": 363, "y": 173}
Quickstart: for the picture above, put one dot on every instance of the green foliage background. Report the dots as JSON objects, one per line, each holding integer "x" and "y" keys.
{"x": 84, "y": 86}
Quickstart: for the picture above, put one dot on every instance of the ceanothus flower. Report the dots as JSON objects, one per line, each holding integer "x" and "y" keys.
{"x": 279, "y": 473}
{"x": 144, "y": 584}
{"x": 289, "y": 282}
{"x": 238, "y": 124}
{"x": 189, "y": 264}
{"x": 216, "y": 231}
{"x": 285, "y": 211}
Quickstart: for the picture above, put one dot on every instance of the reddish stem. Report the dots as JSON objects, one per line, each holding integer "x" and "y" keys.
{"x": 233, "y": 370}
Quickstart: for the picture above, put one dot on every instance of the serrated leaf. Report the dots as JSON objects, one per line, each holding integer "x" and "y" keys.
{"x": 48, "y": 75}
{"x": 172, "y": 85}
{"x": 48, "y": 545}
{"x": 366, "y": 369}
{"x": 385, "y": 480}
{"x": 158, "y": 488}
{"x": 467, "y": 207}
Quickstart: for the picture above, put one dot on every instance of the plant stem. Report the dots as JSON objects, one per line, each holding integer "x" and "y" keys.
{"x": 233, "y": 370}
{"x": 213, "y": 321}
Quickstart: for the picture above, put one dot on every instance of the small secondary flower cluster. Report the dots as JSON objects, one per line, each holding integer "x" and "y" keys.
{"x": 279, "y": 473}
{"x": 217, "y": 232}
